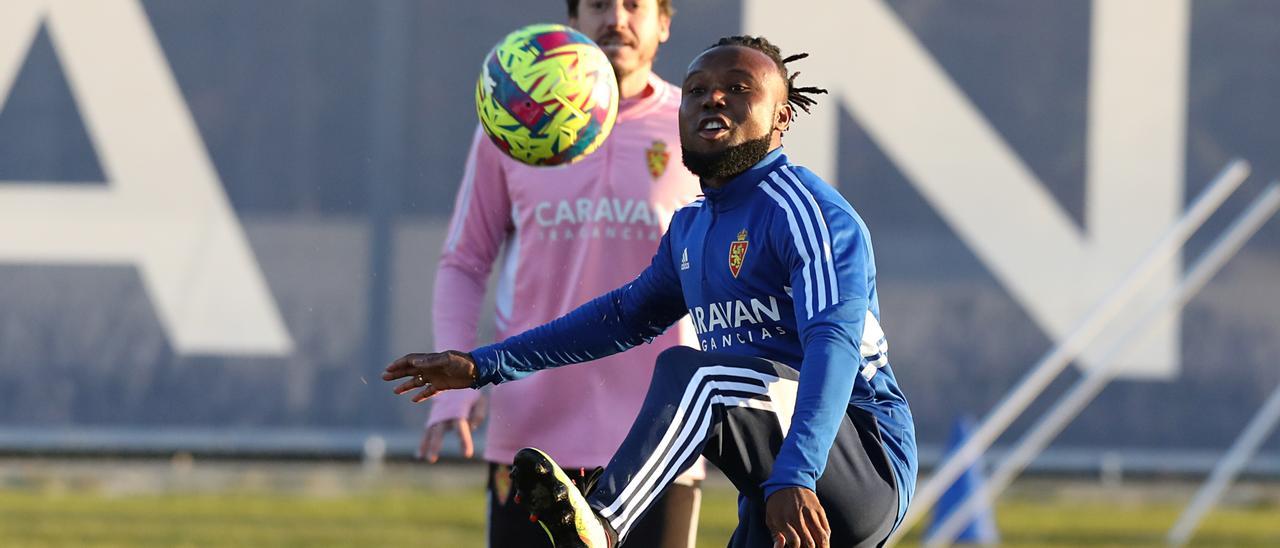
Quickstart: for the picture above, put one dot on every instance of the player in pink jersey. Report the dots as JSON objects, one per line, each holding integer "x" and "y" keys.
{"x": 567, "y": 234}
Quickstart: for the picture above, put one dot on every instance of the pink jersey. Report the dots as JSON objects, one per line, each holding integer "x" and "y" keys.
{"x": 568, "y": 234}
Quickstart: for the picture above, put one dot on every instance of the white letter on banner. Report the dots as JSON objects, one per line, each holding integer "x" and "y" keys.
{"x": 939, "y": 140}
{"x": 163, "y": 208}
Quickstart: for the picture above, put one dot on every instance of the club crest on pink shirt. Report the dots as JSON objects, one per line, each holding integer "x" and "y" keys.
{"x": 658, "y": 157}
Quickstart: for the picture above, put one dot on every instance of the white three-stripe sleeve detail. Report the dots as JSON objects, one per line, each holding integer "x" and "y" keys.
{"x": 799, "y": 207}
{"x": 826, "y": 235}
{"x": 798, "y": 240}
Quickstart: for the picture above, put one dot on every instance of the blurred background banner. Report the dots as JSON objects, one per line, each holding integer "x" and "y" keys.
{"x": 219, "y": 220}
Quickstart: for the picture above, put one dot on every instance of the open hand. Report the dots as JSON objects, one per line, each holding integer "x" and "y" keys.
{"x": 434, "y": 373}
{"x": 797, "y": 519}
{"x": 433, "y": 436}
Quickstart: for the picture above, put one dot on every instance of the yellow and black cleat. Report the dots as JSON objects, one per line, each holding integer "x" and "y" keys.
{"x": 552, "y": 499}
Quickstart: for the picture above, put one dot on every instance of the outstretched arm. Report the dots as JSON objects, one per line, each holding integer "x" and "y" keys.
{"x": 628, "y": 316}
{"x": 620, "y": 319}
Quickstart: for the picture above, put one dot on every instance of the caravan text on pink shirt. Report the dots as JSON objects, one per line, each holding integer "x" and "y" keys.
{"x": 567, "y": 234}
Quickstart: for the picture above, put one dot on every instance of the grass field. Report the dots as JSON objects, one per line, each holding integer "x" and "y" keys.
{"x": 296, "y": 508}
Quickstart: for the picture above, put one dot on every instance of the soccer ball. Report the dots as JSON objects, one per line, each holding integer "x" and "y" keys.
{"x": 547, "y": 95}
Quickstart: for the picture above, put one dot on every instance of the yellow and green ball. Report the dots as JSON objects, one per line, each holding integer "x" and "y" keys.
{"x": 547, "y": 95}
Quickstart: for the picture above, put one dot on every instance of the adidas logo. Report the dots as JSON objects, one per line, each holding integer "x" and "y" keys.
{"x": 684, "y": 260}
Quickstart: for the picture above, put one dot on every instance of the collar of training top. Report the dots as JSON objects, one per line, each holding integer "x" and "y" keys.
{"x": 742, "y": 186}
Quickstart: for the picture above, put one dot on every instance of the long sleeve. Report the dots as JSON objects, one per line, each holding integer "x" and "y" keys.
{"x": 620, "y": 319}
{"x": 456, "y": 302}
{"x": 829, "y": 280}
{"x": 481, "y": 223}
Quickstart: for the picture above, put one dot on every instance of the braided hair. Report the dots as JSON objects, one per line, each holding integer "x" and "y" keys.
{"x": 799, "y": 97}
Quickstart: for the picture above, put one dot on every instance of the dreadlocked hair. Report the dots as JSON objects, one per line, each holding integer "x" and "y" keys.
{"x": 799, "y": 97}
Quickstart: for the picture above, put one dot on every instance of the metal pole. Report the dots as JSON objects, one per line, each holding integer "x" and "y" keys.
{"x": 1087, "y": 388}
{"x": 1226, "y": 470}
{"x": 1049, "y": 366}
{"x": 390, "y": 95}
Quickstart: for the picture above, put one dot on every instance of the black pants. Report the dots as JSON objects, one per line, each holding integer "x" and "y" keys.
{"x": 735, "y": 411}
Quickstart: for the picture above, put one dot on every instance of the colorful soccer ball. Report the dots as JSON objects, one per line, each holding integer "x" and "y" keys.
{"x": 547, "y": 95}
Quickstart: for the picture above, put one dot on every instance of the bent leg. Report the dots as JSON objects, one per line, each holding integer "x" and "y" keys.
{"x": 736, "y": 410}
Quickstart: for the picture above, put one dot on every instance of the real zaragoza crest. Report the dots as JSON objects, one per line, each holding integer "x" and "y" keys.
{"x": 738, "y": 253}
{"x": 657, "y": 156}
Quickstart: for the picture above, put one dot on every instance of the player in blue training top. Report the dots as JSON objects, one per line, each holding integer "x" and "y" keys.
{"x": 791, "y": 395}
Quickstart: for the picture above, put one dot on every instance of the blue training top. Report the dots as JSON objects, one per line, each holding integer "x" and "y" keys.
{"x": 775, "y": 264}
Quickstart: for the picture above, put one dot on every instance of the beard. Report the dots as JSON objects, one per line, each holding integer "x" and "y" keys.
{"x": 728, "y": 162}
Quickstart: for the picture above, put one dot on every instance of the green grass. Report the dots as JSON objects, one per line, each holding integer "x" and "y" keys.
{"x": 452, "y": 517}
